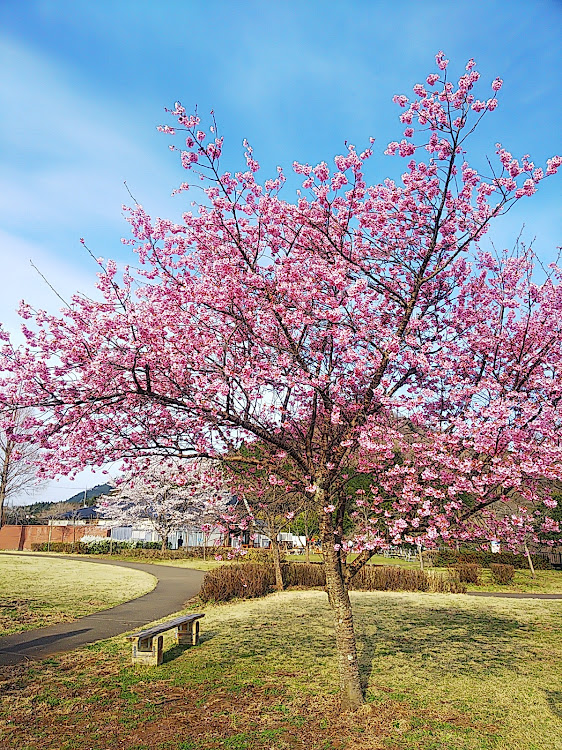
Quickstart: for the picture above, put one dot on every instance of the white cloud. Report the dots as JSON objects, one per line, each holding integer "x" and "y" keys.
{"x": 67, "y": 152}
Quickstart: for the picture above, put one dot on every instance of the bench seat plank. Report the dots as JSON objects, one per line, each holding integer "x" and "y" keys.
{"x": 157, "y": 629}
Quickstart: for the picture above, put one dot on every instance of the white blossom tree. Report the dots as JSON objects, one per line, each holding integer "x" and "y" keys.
{"x": 168, "y": 495}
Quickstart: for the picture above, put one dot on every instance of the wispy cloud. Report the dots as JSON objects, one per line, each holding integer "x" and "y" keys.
{"x": 66, "y": 153}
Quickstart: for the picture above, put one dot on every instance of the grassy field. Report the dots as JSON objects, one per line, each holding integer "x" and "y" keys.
{"x": 442, "y": 672}
{"x": 36, "y": 592}
{"x": 546, "y": 581}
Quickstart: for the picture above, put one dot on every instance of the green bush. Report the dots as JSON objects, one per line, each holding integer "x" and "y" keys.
{"x": 468, "y": 572}
{"x": 260, "y": 555}
{"x": 66, "y": 547}
{"x": 502, "y": 573}
{"x": 196, "y": 553}
{"x": 104, "y": 546}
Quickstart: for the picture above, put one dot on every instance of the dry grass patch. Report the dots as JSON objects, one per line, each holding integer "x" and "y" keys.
{"x": 38, "y": 591}
{"x": 441, "y": 672}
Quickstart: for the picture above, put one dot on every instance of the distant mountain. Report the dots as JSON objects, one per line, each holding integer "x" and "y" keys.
{"x": 40, "y": 512}
{"x": 89, "y": 495}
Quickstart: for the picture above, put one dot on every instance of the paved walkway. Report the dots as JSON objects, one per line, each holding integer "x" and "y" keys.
{"x": 175, "y": 586}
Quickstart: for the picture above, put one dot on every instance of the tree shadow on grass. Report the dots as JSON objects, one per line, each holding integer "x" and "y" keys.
{"x": 442, "y": 641}
{"x": 176, "y": 650}
{"x": 554, "y": 700}
{"x": 207, "y": 635}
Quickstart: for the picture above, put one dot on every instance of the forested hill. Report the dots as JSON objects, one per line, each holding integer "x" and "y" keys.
{"x": 39, "y": 511}
{"x": 90, "y": 495}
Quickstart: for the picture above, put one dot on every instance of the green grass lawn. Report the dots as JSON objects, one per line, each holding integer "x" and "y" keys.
{"x": 545, "y": 582}
{"x": 442, "y": 672}
{"x": 38, "y": 591}
{"x": 194, "y": 563}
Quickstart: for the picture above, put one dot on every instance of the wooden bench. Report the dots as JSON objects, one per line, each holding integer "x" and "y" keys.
{"x": 147, "y": 645}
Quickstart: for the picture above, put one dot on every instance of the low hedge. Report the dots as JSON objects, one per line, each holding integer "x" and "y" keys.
{"x": 250, "y": 580}
{"x": 468, "y": 572}
{"x": 444, "y": 558}
{"x": 502, "y": 574}
{"x": 151, "y": 550}
{"x": 103, "y": 547}
{"x": 395, "y": 578}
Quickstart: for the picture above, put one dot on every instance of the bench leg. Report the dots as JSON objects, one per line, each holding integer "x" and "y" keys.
{"x": 148, "y": 651}
{"x": 188, "y": 634}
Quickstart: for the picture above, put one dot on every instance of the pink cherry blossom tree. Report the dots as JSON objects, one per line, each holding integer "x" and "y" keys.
{"x": 360, "y": 330}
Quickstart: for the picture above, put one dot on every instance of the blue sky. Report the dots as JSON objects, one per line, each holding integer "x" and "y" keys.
{"x": 84, "y": 85}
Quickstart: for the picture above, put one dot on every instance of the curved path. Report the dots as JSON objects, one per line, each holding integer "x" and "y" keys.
{"x": 175, "y": 586}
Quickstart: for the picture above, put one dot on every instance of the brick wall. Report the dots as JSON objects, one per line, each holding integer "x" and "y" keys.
{"x": 11, "y": 537}
{"x": 22, "y": 537}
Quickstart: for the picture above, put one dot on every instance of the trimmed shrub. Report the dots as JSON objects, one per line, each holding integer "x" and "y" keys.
{"x": 374, "y": 578}
{"x": 304, "y": 575}
{"x": 468, "y": 572}
{"x": 429, "y": 557}
{"x": 245, "y": 581}
{"x": 395, "y": 578}
{"x": 260, "y": 555}
{"x": 103, "y": 546}
{"x": 66, "y": 547}
{"x": 502, "y": 573}
{"x": 390, "y": 578}
{"x": 449, "y": 584}
{"x": 250, "y": 580}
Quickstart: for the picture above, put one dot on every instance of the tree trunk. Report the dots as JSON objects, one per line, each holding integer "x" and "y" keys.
{"x": 338, "y": 596}
{"x": 164, "y": 546}
{"x": 277, "y": 563}
{"x": 530, "y": 561}
{"x": 421, "y": 556}
{"x": 4, "y": 480}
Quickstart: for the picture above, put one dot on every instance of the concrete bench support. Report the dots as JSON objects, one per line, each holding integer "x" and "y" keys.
{"x": 148, "y": 651}
{"x": 148, "y": 644}
{"x": 188, "y": 634}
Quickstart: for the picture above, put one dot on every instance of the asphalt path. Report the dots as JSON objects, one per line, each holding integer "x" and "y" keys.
{"x": 175, "y": 586}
